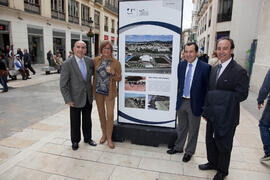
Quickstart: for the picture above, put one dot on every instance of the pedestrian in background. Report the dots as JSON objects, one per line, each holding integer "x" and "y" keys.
{"x": 49, "y": 57}
{"x": 3, "y": 73}
{"x": 204, "y": 58}
{"x": 27, "y": 61}
{"x": 264, "y": 123}
{"x": 19, "y": 51}
{"x": 193, "y": 76}
{"x": 183, "y": 58}
{"x": 19, "y": 67}
{"x": 11, "y": 57}
{"x": 59, "y": 61}
{"x": 214, "y": 59}
{"x": 107, "y": 73}
{"x": 76, "y": 89}
{"x": 228, "y": 86}
{"x": 70, "y": 54}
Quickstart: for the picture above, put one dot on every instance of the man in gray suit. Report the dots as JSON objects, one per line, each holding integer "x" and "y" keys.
{"x": 76, "y": 89}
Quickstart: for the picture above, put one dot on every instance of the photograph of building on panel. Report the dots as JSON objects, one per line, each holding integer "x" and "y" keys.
{"x": 135, "y": 100}
{"x": 135, "y": 83}
{"x": 161, "y": 103}
{"x": 148, "y": 53}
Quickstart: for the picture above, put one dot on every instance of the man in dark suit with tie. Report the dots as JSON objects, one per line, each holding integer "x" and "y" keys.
{"x": 231, "y": 81}
{"x": 76, "y": 89}
{"x": 193, "y": 76}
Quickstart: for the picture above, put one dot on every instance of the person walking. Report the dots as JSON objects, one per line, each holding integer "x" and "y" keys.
{"x": 107, "y": 73}
{"x": 76, "y": 89}
{"x": 19, "y": 51}
{"x": 264, "y": 123}
{"x": 228, "y": 86}
{"x": 49, "y": 57}
{"x": 27, "y": 61}
{"x": 193, "y": 76}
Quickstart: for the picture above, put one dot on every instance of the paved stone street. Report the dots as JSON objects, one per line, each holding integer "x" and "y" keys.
{"x": 36, "y": 143}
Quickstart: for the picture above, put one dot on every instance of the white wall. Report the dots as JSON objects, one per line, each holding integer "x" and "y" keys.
{"x": 18, "y": 36}
{"x": 262, "y": 62}
{"x": 244, "y": 26}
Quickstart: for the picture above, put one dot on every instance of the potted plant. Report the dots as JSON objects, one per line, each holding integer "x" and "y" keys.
{"x": 90, "y": 33}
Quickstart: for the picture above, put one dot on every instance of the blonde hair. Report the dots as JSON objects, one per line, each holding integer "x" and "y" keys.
{"x": 214, "y": 53}
{"x": 105, "y": 43}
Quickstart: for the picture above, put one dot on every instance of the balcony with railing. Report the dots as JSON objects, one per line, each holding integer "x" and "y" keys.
{"x": 4, "y": 2}
{"x": 86, "y": 22}
{"x": 111, "y": 7}
{"x": 73, "y": 19}
{"x": 99, "y": 1}
{"x": 203, "y": 7}
{"x": 58, "y": 15}
{"x": 32, "y": 7}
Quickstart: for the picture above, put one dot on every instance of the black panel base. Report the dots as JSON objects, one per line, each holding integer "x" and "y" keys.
{"x": 143, "y": 135}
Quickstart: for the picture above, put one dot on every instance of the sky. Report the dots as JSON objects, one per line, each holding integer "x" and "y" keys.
{"x": 187, "y": 14}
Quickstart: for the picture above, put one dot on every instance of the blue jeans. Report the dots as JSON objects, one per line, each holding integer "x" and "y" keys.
{"x": 3, "y": 82}
{"x": 265, "y": 136}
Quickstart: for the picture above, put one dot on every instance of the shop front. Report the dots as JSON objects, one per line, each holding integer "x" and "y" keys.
{"x": 59, "y": 43}
{"x": 35, "y": 44}
{"x": 4, "y": 35}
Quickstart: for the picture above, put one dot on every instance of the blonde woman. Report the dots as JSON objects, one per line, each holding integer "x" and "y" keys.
{"x": 214, "y": 60}
{"x": 107, "y": 73}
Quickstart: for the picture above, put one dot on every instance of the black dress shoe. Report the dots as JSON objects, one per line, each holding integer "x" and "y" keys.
{"x": 75, "y": 146}
{"x": 173, "y": 151}
{"x": 90, "y": 142}
{"x": 186, "y": 157}
{"x": 219, "y": 176}
{"x": 207, "y": 166}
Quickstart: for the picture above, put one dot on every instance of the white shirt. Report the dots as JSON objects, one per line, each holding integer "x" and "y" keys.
{"x": 224, "y": 65}
{"x": 78, "y": 62}
{"x": 194, "y": 63}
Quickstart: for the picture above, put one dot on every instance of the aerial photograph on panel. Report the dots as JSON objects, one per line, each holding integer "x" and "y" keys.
{"x": 148, "y": 54}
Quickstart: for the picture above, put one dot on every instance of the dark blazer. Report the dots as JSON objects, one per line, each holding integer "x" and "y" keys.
{"x": 198, "y": 87}
{"x": 263, "y": 94}
{"x": 72, "y": 85}
{"x": 234, "y": 79}
{"x": 27, "y": 59}
{"x": 219, "y": 108}
{"x": 265, "y": 89}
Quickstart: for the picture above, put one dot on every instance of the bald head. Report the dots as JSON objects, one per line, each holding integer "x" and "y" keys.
{"x": 79, "y": 49}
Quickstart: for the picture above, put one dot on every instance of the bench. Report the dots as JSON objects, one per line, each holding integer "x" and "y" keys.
{"x": 49, "y": 69}
{"x": 13, "y": 74}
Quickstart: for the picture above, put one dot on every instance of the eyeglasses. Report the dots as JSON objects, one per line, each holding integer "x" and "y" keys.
{"x": 107, "y": 48}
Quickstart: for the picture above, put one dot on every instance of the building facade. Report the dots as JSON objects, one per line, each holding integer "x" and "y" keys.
{"x": 261, "y": 63}
{"x": 236, "y": 19}
{"x": 186, "y": 36}
{"x": 43, "y": 25}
